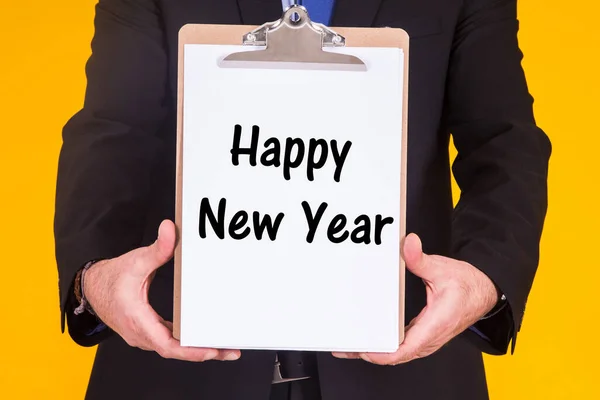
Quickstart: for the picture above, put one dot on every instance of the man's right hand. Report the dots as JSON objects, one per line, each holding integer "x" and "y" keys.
{"x": 117, "y": 290}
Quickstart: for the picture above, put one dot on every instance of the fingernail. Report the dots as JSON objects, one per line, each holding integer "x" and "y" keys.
{"x": 340, "y": 355}
{"x": 231, "y": 356}
{"x": 365, "y": 357}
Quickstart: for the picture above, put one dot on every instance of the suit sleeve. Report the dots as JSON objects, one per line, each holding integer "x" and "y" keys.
{"x": 111, "y": 145}
{"x": 502, "y": 162}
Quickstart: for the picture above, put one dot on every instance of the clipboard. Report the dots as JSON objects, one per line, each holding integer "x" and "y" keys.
{"x": 293, "y": 41}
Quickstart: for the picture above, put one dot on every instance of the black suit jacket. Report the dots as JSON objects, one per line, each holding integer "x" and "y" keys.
{"x": 117, "y": 168}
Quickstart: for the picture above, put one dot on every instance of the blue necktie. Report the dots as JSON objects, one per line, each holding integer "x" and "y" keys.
{"x": 318, "y": 10}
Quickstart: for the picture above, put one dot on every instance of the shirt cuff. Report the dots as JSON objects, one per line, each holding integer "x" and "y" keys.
{"x": 494, "y": 332}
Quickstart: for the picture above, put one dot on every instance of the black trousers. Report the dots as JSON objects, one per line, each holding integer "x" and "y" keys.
{"x": 307, "y": 389}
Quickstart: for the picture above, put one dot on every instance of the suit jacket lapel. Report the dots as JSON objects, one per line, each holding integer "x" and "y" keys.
{"x": 257, "y": 12}
{"x": 355, "y": 13}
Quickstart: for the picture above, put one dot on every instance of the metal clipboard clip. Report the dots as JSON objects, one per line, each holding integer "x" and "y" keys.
{"x": 293, "y": 41}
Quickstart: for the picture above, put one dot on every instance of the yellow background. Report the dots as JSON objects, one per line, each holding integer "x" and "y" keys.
{"x": 43, "y": 49}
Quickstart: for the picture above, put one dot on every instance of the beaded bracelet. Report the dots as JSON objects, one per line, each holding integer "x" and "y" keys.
{"x": 84, "y": 305}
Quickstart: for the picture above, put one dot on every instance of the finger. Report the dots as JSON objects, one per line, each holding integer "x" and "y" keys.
{"x": 150, "y": 258}
{"x": 414, "y": 321}
{"x": 349, "y": 356}
{"x": 358, "y": 355}
{"x": 224, "y": 355}
{"x": 165, "y": 242}
{"x": 429, "y": 331}
{"x": 228, "y": 355}
{"x": 417, "y": 262}
{"x": 171, "y": 348}
{"x": 390, "y": 358}
{"x": 169, "y": 325}
{"x": 151, "y": 331}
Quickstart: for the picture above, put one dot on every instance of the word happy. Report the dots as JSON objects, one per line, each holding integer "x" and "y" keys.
{"x": 294, "y": 150}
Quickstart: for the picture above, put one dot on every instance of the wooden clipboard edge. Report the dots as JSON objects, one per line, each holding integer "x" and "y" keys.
{"x": 231, "y": 35}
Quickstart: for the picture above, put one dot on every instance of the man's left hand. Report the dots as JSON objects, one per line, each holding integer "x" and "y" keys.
{"x": 458, "y": 295}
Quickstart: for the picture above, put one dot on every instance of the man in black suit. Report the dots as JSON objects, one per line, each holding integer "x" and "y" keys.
{"x": 116, "y": 187}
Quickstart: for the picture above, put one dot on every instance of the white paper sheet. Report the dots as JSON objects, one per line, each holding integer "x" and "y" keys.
{"x": 287, "y": 293}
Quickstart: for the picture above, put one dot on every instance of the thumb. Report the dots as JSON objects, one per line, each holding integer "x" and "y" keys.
{"x": 161, "y": 251}
{"x": 416, "y": 261}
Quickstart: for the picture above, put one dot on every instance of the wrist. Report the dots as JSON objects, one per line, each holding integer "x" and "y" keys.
{"x": 82, "y": 291}
{"x": 495, "y": 299}
{"x": 491, "y": 295}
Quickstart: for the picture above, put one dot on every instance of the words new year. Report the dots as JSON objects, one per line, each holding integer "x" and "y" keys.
{"x": 291, "y": 154}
